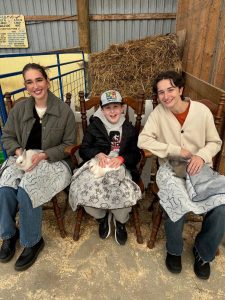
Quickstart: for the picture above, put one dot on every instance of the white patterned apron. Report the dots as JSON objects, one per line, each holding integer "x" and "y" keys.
{"x": 175, "y": 199}
{"x": 41, "y": 184}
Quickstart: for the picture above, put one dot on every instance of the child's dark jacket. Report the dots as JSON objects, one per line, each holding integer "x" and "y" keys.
{"x": 96, "y": 140}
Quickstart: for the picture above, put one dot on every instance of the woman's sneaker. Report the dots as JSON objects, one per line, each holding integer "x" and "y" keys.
{"x": 104, "y": 229}
{"x": 120, "y": 232}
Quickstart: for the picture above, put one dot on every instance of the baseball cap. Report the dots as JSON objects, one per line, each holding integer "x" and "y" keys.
{"x": 110, "y": 96}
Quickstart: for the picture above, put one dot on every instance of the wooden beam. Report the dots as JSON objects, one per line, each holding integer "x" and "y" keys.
{"x": 83, "y": 25}
{"x": 50, "y": 18}
{"x": 181, "y": 36}
{"x": 148, "y": 16}
{"x": 113, "y": 17}
{"x": 65, "y": 50}
{"x": 218, "y": 70}
{"x": 206, "y": 90}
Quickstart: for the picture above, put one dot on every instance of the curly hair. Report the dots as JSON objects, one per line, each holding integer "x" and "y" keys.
{"x": 176, "y": 79}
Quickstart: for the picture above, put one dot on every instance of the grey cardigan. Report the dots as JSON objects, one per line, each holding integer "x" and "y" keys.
{"x": 58, "y": 127}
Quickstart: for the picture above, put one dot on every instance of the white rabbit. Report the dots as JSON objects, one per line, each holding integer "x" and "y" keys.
{"x": 97, "y": 170}
{"x": 24, "y": 161}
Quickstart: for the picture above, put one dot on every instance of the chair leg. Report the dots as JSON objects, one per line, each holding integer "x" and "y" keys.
{"x": 137, "y": 224}
{"x": 59, "y": 217}
{"x": 156, "y": 221}
{"x": 79, "y": 216}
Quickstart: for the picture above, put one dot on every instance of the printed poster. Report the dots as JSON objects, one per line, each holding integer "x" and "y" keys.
{"x": 13, "y": 32}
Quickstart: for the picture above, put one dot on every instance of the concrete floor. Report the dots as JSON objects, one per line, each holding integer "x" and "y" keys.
{"x": 96, "y": 269}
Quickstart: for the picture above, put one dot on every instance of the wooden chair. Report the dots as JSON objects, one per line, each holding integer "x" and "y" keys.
{"x": 57, "y": 211}
{"x": 137, "y": 105}
{"x": 215, "y": 101}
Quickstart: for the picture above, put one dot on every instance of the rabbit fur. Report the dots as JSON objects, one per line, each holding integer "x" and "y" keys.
{"x": 24, "y": 161}
{"x": 179, "y": 166}
{"x": 97, "y": 170}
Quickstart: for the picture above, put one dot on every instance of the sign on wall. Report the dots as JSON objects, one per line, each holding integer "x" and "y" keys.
{"x": 13, "y": 32}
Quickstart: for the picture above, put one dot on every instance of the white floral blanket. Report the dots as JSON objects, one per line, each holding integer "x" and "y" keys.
{"x": 41, "y": 184}
{"x": 114, "y": 190}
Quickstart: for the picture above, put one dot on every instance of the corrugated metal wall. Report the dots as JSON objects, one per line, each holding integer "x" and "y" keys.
{"x": 104, "y": 33}
{"x": 42, "y": 35}
{"x": 45, "y": 36}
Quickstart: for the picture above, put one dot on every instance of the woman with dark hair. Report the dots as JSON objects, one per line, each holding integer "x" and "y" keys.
{"x": 41, "y": 122}
{"x": 185, "y": 129}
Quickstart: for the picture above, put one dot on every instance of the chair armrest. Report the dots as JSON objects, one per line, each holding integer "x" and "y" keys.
{"x": 146, "y": 153}
{"x": 70, "y": 150}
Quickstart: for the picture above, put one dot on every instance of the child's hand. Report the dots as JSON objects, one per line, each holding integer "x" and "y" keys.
{"x": 102, "y": 159}
{"x": 115, "y": 162}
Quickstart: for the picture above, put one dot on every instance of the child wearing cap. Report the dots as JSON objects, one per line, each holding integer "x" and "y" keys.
{"x": 112, "y": 141}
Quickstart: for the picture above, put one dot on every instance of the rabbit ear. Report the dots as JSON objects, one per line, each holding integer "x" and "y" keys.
{"x": 24, "y": 153}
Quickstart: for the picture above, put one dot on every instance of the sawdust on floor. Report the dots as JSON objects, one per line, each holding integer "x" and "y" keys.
{"x": 95, "y": 269}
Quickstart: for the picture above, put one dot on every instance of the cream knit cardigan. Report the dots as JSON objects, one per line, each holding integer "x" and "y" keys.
{"x": 164, "y": 136}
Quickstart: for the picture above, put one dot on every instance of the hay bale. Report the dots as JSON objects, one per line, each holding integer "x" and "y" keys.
{"x": 132, "y": 66}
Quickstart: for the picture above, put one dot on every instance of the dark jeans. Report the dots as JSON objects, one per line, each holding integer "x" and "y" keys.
{"x": 207, "y": 240}
{"x": 30, "y": 219}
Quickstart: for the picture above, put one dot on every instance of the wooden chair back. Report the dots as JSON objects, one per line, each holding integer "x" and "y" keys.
{"x": 137, "y": 105}
{"x": 217, "y": 111}
{"x": 10, "y": 103}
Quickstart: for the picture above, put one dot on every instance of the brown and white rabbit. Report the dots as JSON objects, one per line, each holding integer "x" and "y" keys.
{"x": 24, "y": 160}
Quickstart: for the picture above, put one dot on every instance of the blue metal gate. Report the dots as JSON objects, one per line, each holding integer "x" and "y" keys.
{"x": 75, "y": 79}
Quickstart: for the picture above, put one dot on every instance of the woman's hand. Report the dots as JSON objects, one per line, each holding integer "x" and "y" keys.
{"x": 195, "y": 165}
{"x": 36, "y": 158}
{"x": 18, "y": 151}
{"x": 185, "y": 153}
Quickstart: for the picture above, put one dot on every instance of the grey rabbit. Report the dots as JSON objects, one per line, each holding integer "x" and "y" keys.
{"x": 179, "y": 166}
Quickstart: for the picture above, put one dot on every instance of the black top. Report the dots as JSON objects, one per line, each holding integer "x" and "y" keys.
{"x": 34, "y": 139}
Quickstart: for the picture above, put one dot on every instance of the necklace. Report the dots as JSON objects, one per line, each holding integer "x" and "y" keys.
{"x": 40, "y": 111}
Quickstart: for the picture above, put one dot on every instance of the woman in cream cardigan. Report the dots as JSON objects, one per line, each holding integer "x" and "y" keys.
{"x": 183, "y": 128}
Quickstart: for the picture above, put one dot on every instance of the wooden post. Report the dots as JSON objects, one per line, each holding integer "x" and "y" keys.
{"x": 9, "y": 103}
{"x": 83, "y": 25}
{"x": 68, "y": 98}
